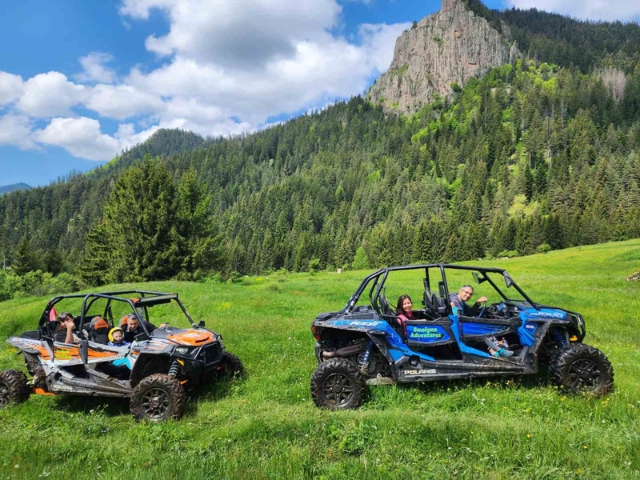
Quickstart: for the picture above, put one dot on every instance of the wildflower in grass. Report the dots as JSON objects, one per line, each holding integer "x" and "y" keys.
{"x": 585, "y": 447}
{"x": 528, "y": 435}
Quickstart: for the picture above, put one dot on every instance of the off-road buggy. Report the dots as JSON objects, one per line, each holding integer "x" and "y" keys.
{"x": 365, "y": 343}
{"x": 153, "y": 371}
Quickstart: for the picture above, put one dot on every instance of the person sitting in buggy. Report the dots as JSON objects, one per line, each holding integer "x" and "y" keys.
{"x": 403, "y": 309}
{"x": 131, "y": 327}
{"x": 459, "y": 300}
{"x": 64, "y": 333}
{"x": 116, "y": 338}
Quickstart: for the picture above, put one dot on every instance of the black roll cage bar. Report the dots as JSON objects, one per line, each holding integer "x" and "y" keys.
{"x": 374, "y": 293}
{"x": 146, "y": 299}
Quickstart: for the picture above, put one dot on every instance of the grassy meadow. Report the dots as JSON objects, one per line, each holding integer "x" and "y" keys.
{"x": 268, "y": 427}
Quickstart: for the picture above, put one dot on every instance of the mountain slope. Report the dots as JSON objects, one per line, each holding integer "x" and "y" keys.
{"x": 12, "y": 188}
{"x": 448, "y": 47}
{"x": 531, "y": 154}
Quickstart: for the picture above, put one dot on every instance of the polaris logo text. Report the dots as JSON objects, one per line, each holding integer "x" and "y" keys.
{"x": 420, "y": 372}
{"x": 548, "y": 314}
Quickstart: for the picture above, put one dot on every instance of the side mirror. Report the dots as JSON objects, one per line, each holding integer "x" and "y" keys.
{"x": 200, "y": 324}
{"x": 507, "y": 279}
{"x": 477, "y": 278}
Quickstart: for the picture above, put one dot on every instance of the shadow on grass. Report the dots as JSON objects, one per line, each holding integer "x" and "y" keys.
{"x": 110, "y": 406}
{"x": 113, "y": 406}
{"x": 526, "y": 382}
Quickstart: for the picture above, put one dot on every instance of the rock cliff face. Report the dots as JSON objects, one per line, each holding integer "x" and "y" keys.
{"x": 450, "y": 46}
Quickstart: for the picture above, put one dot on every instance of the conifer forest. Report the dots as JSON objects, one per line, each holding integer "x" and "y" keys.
{"x": 540, "y": 154}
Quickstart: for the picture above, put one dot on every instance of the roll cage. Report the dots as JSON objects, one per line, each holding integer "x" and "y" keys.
{"x": 379, "y": 278}
{"x": 139, "y": 306}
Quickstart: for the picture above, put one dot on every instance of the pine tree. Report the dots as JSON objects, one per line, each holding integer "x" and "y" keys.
{"x": 361, "y": 260}
{"x": 422, "y": 244}
{"x": 24, "y": 260}
{"x": 452, "y": 250}
{"x": 200, "y": 243}
{"x": 53, "y": 262}
{"x": 95, "y": 264}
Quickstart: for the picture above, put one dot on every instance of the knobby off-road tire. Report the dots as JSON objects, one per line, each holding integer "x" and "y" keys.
{"x": 582, "y": 369}
{"x": 230, "y": 367}
{"x": 13, "y": 387}
{"x": 158, "y": 398}
{"x": 337, "y": 384}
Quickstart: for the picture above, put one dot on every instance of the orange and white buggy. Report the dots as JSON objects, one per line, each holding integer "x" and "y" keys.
{"x": 153, "y": 371}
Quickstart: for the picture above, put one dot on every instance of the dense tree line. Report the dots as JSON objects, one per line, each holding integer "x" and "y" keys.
{"x": 564, "y": 41}
{"x": 532, "y": 156}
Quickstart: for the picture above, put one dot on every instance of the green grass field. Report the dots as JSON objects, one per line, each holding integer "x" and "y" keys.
{"x": 268, "y": 427}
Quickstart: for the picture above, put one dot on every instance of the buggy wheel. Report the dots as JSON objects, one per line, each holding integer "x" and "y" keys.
{"x": 230, "y": 367}
{"x": 581, "y": 368}
{"x": 158, "y": 398}
{"x": 13, "y": 387}
{"x": 337, "y": 384}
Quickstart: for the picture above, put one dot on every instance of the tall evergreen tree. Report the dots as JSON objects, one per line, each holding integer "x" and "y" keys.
{"x": 24, "y": 258}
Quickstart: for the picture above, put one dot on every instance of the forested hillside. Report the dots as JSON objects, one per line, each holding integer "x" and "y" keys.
{"x": 535, "y": 155}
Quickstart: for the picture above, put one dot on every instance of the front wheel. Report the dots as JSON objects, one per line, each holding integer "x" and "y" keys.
{"x": 230, "y": 367}
{"x": 13, "y": 387}
{"x": 581, "y": 368}
{"x": 158, "y": 398}
{"x": 337, "y": 384}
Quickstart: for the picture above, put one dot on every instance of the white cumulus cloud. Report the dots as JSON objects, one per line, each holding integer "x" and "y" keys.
{"x": 94, "y": 68}
{"x": 10, "y": 88}
{"x": 237, "y": 34}
{"x": 80, "y": 136}
{"x": 122, "y": 101}
{"x": 15, "y": 130}
{"x": 228, "y": 66}
{"x": 50, "y": 94}
{"x": 606, "y": 10}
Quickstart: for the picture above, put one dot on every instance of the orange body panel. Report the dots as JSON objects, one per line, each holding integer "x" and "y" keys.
{"x": 44, "y": 353}
{"x": 192, "y": 338}
{"x": 39, "y": 391}
{"x": 97, "y": 354}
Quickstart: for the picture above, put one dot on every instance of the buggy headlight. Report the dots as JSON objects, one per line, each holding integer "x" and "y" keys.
{"x": 183, "y": 350}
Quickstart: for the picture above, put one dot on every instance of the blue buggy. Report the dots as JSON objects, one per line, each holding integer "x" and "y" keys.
{"x": 368, "y": 343}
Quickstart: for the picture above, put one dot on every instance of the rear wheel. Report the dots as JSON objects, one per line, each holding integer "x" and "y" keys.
{"x": 581, "y": 368}
{"x": 158, "y": 398}
{"x": 13, "y": 387}
{"x": 337, "y": 384}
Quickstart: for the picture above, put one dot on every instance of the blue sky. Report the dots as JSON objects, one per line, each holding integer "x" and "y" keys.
{"x": 80, "y": 81}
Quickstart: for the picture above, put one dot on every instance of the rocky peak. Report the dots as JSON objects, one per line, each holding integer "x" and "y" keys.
{"x": 450, "y": 46}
